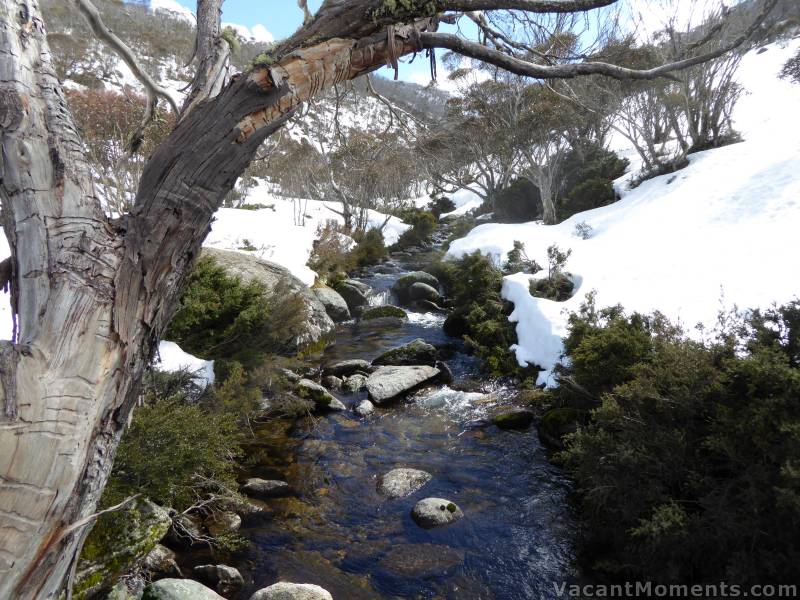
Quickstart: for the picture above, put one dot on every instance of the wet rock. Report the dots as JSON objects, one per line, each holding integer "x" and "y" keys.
{"x": 131, "y": 588}
{"x": 416, "y": 352}
{"x": 423, "y": 291}
{"x": 365, "y": 408}
{"x": 401, "y": 289}
{"x": 354, "y": 294}
{"x": 265, "y": 488}
{"x": 382, "y": 323}
{"x": 446, "y": 376}
{"x": 399, "y": 483}
{"x": 428, "y": 306}
{"x": 290, "y": 376}
{"x": 387, "y": 310}
{"x": 421, "y": 560}
{"x": 315, "y": 392}
{"x": 334, "y": 304}
{"x": 292, "y": 591}
{"x": 556, "y": 423}
{"x": 318, "y": 324}
{"x": 220, "y": 523}
{"x": 435, "y": 512}
{"x": 345, "y": 368}
{"x": 514, "y": 419}
{"x": 160, "y": 562}
{"x": 388, "y": 383}
{"x": 225, "y": 579}
{"x": 336, "y": 404}
{"x": 179, "y": 589}
{"x": 354, "y": 383}
{"x": 332, "y": 382}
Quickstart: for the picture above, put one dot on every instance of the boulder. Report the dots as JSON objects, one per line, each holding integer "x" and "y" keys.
{"x": 399, "y": 483}
{"x": 334, "y": 304}
{"x": 388, "y": 383}
{"x": 365, "y": 408}
{"x": 423, "y": 291}
{"x": 220, "y": 523}
{"x": 160, "y": 562}
{"x": 354, "y": 294}
{"x": 435, "y": 512}
{"x": 517, "y": 418}
{"x": 290, "y": 376}
{"x": 225, "y": 579}
{"x": 556, "y": 423}
{"x": 332, "y": 382}
{"x": 265, "y": 488}
{"x": 386, "y": 310}
{"x": 354, "y": 383}
{"x": 292, "y": 591}
{"x": 119, "y": 543}
{"x": 345, "y": 368}
{"x": 179, "y": 589}
{"x": 446, "y": 377}
{"x": 401, "y": 288}
{"x": 416, "y": 352}
{"x": 318, "y": 324}
{"x": 315, "y": 392}
{"x": 131, "y": 588}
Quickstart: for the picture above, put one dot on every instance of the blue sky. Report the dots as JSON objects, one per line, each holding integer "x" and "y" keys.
{"x": 281, "y": 18}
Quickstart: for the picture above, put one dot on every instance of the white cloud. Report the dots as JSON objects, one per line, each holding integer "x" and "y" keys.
{"x": 174, "y": 7}
{"x": 258, "y": 33}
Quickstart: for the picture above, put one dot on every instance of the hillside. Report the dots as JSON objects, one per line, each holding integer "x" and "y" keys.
{"x": 719, "y": 233}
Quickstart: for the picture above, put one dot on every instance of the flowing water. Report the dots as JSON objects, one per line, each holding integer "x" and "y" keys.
{"x": 514, "y": 542}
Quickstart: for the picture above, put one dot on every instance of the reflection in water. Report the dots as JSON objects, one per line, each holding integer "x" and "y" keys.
{"x": 514, "y": 542}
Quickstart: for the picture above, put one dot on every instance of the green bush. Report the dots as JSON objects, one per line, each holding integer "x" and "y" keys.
{"x": 331, "y": 257}
{"x": 688, "y": 468}
{"x": 589, "y": 171}
{"x": 518, "y": 203}
{"x": 557, "y": 285}
{"x": 791, "y": 70}
{"x": 423, "y": 224}
{"x": 223, "y": 317}
{"x": 480, "y": 314}
{"x": 370, "y": 248}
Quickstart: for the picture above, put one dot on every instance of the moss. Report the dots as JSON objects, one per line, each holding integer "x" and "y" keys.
{"x": 383, "y": 311}
{"x": 400, "y": 10}
{"x": 452, "y": 507}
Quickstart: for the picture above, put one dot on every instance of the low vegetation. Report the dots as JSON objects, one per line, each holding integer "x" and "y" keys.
{"x": 686, "y": 468}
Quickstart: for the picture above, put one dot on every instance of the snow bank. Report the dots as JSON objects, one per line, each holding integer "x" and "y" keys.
{"x": 171, "y": 358}
{"x": 284, "y": 233}
{"x": 465, "y": 201}
{"x": 723, "y": 231}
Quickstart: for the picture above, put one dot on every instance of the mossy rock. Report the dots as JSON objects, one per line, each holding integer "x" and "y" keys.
{"x": 402, "y": 286}
{"x": 556, "y": 423}
{"x": 315, "y": 392}
{"x": 379, "y": 312}
{"x": 514, "y": 419}
{"x": 117, "y": 544}
{"x": 417, "y": 352}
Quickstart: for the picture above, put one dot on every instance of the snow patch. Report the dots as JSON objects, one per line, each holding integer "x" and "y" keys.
{"x": 171, "y": 358}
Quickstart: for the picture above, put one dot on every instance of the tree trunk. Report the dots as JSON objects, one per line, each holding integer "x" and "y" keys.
{"x": 93, "y": 295}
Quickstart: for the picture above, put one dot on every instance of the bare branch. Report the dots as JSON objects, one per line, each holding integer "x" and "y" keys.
{"x": 92, "y": 15}
{"x": 307, "y": 16}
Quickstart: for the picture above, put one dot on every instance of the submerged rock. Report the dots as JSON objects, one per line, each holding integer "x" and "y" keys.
{"x": 334, "y": 304}
{"x": 179, "y": 589}
{"x": 421, "y": 560}
{"x": 514, "y": 419}
{"x": 265, "y": 488}
{"x": 390, "y": 382}
{"x": 225, "y": 579}
{"x": 379, "y": 312}
{"x": 292, "y": 591}
{"x": 399, "y": 483}
{"x": 345, "y": 368}
{"x": 416, "y": 352}
{"x": 435, "y": 512}
{"x": 220, "y": 523}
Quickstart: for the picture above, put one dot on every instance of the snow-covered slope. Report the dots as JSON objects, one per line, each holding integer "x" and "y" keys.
{"x": 284, "y": 232}
{"x": 723, "y": 231}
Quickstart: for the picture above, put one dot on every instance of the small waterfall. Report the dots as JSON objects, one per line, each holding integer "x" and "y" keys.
{"x": 379, "y": 298}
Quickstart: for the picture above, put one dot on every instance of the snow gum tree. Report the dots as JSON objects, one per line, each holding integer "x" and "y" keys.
{"x": 92, "y": 295}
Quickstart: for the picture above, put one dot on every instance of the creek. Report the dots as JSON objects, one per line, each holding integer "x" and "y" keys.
{"x": 516, "y": 539}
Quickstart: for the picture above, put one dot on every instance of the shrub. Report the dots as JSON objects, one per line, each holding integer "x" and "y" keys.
{"x": 687, "y": 470}
{"x": 331, "y": 257}
{"x": 518, "y": 262}
{"x": 460, "y": 228}
{"x": 441, "y": 205}
{"x": 370, "y": 249}
{"x": 791, "y": 70}
{"x": 423, "y": 224}
{"x": 518, "y": 203}
{"x": 557, "y": 285}
{"x": 583, "y": 230}
{"x": 222, "y": 317}
{"x": 589, "y": 170}
{"x": 587, "y": 195}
